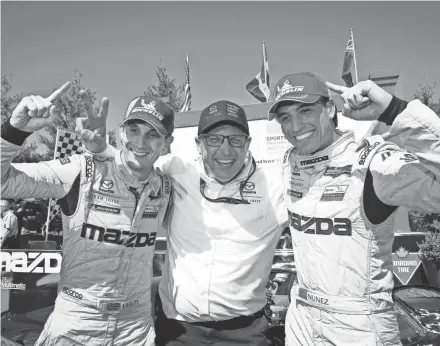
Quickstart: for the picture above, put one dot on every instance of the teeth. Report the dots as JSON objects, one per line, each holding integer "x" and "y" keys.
{"x": 137, "y": 153}
{"x": 304, "y": 135}
{"x": 225, "y": 162}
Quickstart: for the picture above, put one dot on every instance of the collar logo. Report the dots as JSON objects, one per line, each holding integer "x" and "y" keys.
{"x": 249, "y": 186}
{"x": 106, "y": 184}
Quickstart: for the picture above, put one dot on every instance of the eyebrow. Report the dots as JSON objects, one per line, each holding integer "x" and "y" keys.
{"x": 301, "y": 106}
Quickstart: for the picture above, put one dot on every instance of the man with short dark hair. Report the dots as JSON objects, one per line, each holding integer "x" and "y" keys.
{"x": 341, "y": 202}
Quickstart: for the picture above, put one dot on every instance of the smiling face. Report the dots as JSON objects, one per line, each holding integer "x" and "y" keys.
{"x": 225, "y": 161}
{"x": 307, "y": 126}
{"x": 142, "y": 145}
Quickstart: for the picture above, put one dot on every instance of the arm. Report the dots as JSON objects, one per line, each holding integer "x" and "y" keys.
{"x": 33, "y": 180}
{"x": 38, "y": 180}
{"x": 409, "y": 176}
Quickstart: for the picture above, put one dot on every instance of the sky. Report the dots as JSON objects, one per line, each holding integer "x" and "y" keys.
{"x": 117, "y": 45}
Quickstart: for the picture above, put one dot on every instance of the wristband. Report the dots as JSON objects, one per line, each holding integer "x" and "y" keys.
{"x": 395, "y": 107}
{"x": 12, "y": 134}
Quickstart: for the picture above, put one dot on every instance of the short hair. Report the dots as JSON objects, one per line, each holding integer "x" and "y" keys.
{"x": 323, "y": 100}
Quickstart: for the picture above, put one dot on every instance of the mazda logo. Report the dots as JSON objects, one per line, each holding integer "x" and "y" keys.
{"x": 106, "y": 184}
{"x": 249, "y": 186}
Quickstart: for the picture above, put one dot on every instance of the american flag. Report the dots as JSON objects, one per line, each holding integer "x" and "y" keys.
{"x": 349, "y": 66}
{"x": 259, "y": 85}
{"x": 187, "y": 104}
{"x": 67, "y": 144}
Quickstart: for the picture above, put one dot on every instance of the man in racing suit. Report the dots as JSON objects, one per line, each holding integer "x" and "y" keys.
{"x": 112, "y": 211}
{"x": 342, "y": 202}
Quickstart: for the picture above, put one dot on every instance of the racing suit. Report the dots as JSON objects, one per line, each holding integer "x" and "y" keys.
{"x": 110, "y": 222}
{"x": 341, "y": 206}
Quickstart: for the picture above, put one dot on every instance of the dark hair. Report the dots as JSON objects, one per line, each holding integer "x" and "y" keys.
{"x": 324, "y": 101}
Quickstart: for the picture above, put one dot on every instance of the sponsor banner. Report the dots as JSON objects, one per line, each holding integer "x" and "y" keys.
{"x": 405, "y": 255}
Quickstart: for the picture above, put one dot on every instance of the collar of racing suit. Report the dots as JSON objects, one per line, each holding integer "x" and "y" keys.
{"x": 237, "y": 180}
{"x": 323, "y": 157}
{"x": 124, "y": 173}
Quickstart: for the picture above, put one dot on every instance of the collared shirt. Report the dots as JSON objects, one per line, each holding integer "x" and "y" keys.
{"x": 219, "y": 255}
{"x": 9, "y": 221}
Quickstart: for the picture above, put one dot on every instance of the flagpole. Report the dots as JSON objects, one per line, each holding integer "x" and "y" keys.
{"x": 354, "y": 57}
{"x": 264, "y": 63}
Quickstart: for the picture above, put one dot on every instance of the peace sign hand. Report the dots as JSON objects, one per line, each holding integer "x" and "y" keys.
{"x": 93, "y": 128}
{"x": 363, "y": 101}
{"x": 35, "y": 112}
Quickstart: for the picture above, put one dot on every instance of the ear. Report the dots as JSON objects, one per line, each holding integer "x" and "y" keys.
{"x": 122, "y": 134}
{"x": 248, "y": 141}
{"x": 198, "y": 144}
{"x": 166, "y": 148}
{"x": 330, "y": 105}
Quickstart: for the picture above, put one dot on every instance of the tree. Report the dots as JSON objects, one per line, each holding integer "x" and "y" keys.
{"x": 426, "y": 222}
{"x": 166, "y": 88}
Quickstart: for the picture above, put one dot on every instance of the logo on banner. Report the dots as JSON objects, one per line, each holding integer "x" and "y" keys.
{"x": 405, "y": 264}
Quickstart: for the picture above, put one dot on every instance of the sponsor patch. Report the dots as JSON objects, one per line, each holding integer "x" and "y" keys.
{"x": 64, "y": 160}
{"x": 249, "y": 188}
{"x": 363, "y": 156}
{"x": 105, "y": 198}
{"x": 106, "y": 186}
{"x": 72, "y": 293}
{"x": 149, "y": 215}
{"x": 314, "y": 160}
{"x": 320, "y": 225}
{"x": 334, "y": 193}
{"x": 106, "y": 209}
{"x": 409, "y": 157}
{"x": 294, "y": 193}
{"x": 89, "y": 167}
{"x": 337, "y": 171}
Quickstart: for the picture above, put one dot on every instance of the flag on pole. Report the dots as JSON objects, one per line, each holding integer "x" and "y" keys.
{"x": 187, "y": 103}
{"x": 66, "y": 144}
{"x": 259, "y": 86}
{"x": 349, "y": 65}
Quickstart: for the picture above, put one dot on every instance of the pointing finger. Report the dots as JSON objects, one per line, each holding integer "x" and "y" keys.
{"x": 339, "y": 89}
{"x": 59, "y": 92}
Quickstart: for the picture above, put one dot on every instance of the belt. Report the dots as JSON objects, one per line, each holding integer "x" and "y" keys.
{"x": 105, "y": 305}
{"x": 344, "y": 305}
{"x": 238, "y": 322}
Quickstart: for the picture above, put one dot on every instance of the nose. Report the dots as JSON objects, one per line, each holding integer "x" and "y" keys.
{"x": 226, "y": 147}
{"x": 297, "y": 123}
{"x": 144, "y": 141}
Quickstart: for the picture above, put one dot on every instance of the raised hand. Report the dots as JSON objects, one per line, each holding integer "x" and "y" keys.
{"x": 363, "y": 101}
{"x": 93, "y": 128}
{"x": 35, "y": 112}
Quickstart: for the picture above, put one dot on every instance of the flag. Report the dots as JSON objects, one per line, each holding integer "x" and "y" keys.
{"x": 349, "y": 66}
{"x": 187, "y": 103}
{"x": 259, "y": 86}
{"x": 67, "y": 144}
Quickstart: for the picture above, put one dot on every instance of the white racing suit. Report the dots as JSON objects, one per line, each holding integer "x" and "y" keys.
{"x": 341, "y": 205}
{"x": 110, "y": 223}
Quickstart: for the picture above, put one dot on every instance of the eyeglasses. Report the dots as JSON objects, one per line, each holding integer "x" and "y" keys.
{"x": 236, "y": 141}
{"x": 230, "y": 200}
